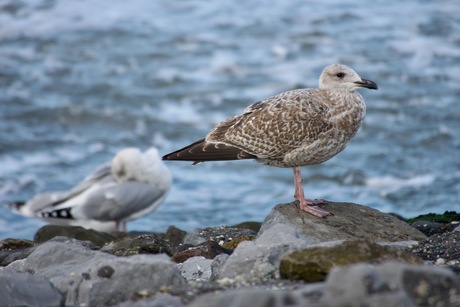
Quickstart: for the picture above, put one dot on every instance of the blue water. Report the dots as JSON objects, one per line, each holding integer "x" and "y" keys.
{"x": 79, "y": 80}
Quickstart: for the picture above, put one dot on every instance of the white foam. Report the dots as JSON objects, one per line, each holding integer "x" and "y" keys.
{"x": 11, "y": 164}
{"x": 390, "y": 184}
{"x": 66, "y": 16}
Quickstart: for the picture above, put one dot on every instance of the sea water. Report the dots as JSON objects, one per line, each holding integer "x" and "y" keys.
{"x": 80, "y": 80}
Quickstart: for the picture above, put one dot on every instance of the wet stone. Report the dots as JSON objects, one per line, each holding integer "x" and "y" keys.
{"x": 9, "y": 256}
{"x": 48, "y": 232}
{"x": 12, "y": 244}
{"x": 144, "y": 244}
{"x": 220, "y": 235}
{"x": 235, "y": 242}
{"x": 431, "y": 228}
{"x": 208, "y": 250}
{"x": 349, "y": 222}
{"x": 174, "y": 236}
{"x": 14, "y": 249}
{"x": 446, "y": 246}
{"x": 254, "y": 226}
{"x": 314, "y": 264}
{"x": 105, "y": 272}
{"x": 431, "y": 288}
{"x": 23, "y": 289}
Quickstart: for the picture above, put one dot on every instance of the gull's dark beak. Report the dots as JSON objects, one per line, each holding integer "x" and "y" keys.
{"x": 367, "y": 84}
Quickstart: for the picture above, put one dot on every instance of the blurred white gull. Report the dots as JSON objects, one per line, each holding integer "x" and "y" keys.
{"x": 132, "y": 186}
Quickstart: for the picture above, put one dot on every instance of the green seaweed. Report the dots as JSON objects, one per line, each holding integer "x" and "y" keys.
{"x": 446, "y": 217}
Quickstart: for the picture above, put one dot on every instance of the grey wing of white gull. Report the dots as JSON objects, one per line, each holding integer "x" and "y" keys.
{"x": 123, "y": 201}
{"x": 50, "y": 200}
{"x": 101, "y": 176}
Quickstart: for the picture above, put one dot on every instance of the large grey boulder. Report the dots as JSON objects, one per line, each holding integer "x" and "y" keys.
{"x": 23, "y": 289}
{"x": 350, "y": 221}
{"x": 95, "y": 278}
{"x": 287, "y": 229}
{"x": 413, "y": 285}
{"x": 387, "y": 285}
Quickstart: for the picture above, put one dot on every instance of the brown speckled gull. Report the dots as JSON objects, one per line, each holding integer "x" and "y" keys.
{"x": 292, "y": 129}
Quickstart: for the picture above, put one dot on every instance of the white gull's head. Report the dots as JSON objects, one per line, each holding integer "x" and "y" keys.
{"x": 130, "y": 164}
{"x": 126, "y": 164}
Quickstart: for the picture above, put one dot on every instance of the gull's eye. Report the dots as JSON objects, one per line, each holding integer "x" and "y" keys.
{"x": 340, "y": 75}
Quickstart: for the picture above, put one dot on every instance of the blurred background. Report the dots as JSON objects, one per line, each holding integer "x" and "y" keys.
{"x": 80, "y": 80}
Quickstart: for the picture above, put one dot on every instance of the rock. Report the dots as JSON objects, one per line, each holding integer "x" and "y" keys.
{"x": 264, "y": 295}
{"x": 350, "y": 221}
{"x": 111, "y": 281}
{"x": 259, "y": 259}
{"x": 431, "y": 228}
{"x": 391, "y": 284}
{"x": 86, "y": 244}
{"x": 220, "y": 235}
{"x": 158, "y": 300}
{"x": 9, "y": 256}
{"x": 193, "y": 237}
{"x": 217, "y": 265}
{"x": 144, "y": 244}
{"x": 313, "y": 264}
{"x": 14, "y": 249}
{"x": 196, "y": 269}
{"x": 17, "y": 266}
{"x": 250, "y": 297}
{"x": 234, "y": 243}
{"x": 13, "y": 244}
{"x": 174, "y": 236}
{"x": 95, "y": 278}
{"x": 429, "y": 286}
{"x": 254, "y": 226}
{"x": 48, "y": 232}
{"x": 23, "y": 289}
{"x": 208, "y": 250}
{"x": 286, "y": 229}
{"x": 446, "y": 246}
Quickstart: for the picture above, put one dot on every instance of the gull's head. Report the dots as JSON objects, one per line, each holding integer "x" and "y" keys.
{"x": 339, "y": 76}
{"x": 126, "y": 164}
{"x": 130, "y": 164}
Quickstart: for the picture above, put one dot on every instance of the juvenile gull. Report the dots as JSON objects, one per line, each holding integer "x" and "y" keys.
{"x": 133, "y": 185}
{"x": 292, "y": 129}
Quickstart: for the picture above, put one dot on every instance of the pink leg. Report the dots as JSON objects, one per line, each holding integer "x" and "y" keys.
{"x": 117, "y": 226}
{"x": 306, "y": 204}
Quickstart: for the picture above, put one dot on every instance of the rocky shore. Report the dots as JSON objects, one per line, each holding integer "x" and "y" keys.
{"x": 358, "y": 257}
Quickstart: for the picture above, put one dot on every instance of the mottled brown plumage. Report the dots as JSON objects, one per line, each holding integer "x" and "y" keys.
{"x": 291, "y": 129}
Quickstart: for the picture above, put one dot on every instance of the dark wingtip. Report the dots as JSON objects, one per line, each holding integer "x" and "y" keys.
{"x": 202, "y": 151}
{"x": 64, "y": 213}
{"x": 183, "y": 153}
